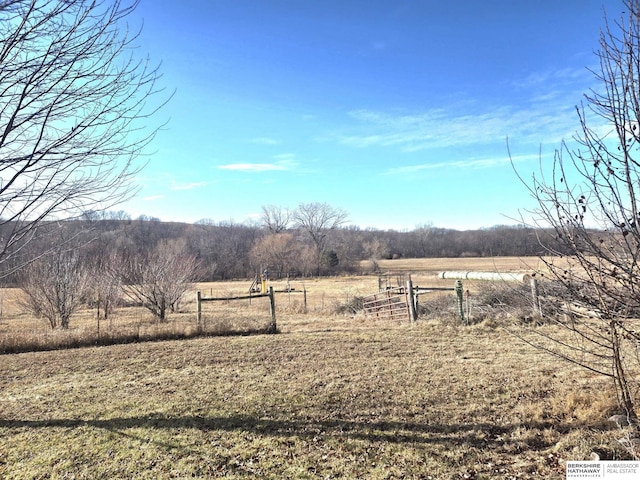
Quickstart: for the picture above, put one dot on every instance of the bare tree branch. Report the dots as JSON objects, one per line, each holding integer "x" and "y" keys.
{"x": 74, "y": 107}
{"x": 318, "y": 219}
{"x": 159, "y": 280}
{"x": 55, "y": 286}
{"x": 275, "y": 219}
{"x": 591, "y": 201}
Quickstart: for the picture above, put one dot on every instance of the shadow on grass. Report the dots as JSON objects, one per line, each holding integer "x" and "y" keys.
{"x": 478, "y": 435}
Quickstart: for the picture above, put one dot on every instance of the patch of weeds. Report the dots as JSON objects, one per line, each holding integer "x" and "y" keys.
{"x": 438, "y": 307}
{"x": 351, "y": 306}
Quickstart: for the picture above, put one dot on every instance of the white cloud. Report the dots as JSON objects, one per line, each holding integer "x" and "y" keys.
{"x": 563, "y": 76}
{"x": 438, "y": 128}
{"x": 542, "y": 112}
{"x": 466, "y": 164}
{"x": 279, "y": 166}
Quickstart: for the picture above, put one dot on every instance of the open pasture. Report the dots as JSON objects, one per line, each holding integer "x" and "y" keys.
{"x": 323, "y": 295}
{"x": 332, "y": 396}
{"x": 433, "y": 265}
{"x": 385, "y": 401}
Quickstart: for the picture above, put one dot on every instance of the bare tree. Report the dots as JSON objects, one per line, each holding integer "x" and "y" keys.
{"x": 423, "y": 235}
{"x": 317, "y": 220}
{"x": 278, "y": 252}
{"x": 106, "y": 286}
{"x": 55, "y": 286}
{"x": 159, "y": 280}
{"x": 591, "y": 201}
{"x": 375, "y": 250}
{"x": 275, "y": 219}
{"x": 74, "y": 102}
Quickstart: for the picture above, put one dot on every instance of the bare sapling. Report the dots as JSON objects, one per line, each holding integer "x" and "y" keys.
{"x": 590, "y": 199}
{"x": 158, "y": 279}
{"x": 55, "y": 287}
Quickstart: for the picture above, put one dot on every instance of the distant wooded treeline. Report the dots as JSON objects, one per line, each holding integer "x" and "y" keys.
{"x": 227, "y": 250}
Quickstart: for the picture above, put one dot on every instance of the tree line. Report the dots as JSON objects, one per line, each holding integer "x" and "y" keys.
{"x": 227, "y": 250}
{"x": 104, "y": 259}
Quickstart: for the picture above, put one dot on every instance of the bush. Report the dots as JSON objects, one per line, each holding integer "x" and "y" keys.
{"x": 351, "y": 306}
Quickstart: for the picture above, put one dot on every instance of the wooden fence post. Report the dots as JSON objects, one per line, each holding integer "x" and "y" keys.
{"x": 272, "y": 308}
{"x": 304, "y": 291}
{"x": 459, "y": 295}
{"x": 199, "y": 303}
{"x": 413, "y": 316}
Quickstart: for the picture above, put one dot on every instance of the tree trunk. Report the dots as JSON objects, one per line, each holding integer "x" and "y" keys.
{"x": 625, "y": 398}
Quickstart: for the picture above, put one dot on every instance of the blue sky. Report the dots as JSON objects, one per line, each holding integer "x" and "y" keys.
{"x": 395, "y": 111}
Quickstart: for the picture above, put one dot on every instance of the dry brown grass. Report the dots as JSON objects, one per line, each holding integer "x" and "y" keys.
{"x": 333, "y": 396}
{"x": 324, "y": 297}
{"x": 492, "y": 264}
{"x": 375, "y": 401}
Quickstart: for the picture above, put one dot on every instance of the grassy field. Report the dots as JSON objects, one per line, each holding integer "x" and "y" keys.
{"x": 323, "y": 296}
{"x": 433, "y": 265}
{"x": 332, "y": 396}
{"x": 386, "y": 401}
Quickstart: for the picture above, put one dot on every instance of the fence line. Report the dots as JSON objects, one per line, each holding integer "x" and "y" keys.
{"x": 402, "y": 302}
{"x": 272, "y": 305}
{"x": 502, "y": 277}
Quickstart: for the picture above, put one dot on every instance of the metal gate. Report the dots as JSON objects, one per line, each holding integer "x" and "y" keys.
{"x": 390, "y": 304}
